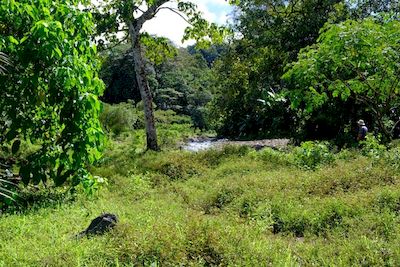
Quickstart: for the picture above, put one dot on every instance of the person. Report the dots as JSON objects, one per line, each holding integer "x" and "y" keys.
{"x": 362, "y": 130}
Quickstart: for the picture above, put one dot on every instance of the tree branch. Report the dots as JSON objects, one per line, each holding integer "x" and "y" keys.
{"x": 147, "y": 15}
{"x": 116, "y": 44}
{"x": 176, "y": 11}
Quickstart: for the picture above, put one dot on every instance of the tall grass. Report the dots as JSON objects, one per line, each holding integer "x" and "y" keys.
{"x": 227, "y": 207}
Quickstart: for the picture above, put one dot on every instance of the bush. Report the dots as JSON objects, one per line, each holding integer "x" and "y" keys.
{"x": 312, "y": 154}
{"x": 170, "y": 117}
{"x": 273, "y": 156}
{"x": 371, "y": 146}
{"x": 125, "y": 118}
{"x": 213, "y": 157}
{"x": 392, "y": 158}
{"x": 347, "y": 154}
{"x": 120, "y": 118}
{"x": 175, "y": 165}
{"x": 288, "y": 217}
{"x": 170, "y": 135}
{"x": 259, "y": 212}
{"x": 388, "y": 200}
{"x": 51, "y": 96}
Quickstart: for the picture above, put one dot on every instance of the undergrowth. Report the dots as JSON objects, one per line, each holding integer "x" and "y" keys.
{"x": 235, "y": 206}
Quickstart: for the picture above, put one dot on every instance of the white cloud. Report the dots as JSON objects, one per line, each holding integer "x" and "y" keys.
{"x": 170, "y": 25}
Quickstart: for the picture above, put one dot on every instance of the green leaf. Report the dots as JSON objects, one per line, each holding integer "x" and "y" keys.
{"x": 62, "y": 178}
{"x": 11, "y": 134}
{"x": 24, "y": 39}
{"x": 58, "y": 51}
{"x": 60, "y": 169}
{"x": 13, "y": 40}
{"x": 15, "y": 146}
{"x": 25, "y": 174}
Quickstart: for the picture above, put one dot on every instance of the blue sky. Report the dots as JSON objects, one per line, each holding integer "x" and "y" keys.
{"x": 170, "y": 25}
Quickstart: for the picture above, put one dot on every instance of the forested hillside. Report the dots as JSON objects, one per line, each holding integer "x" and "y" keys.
{"x": 271, "y": 141}
{"x": 183, "y": 83}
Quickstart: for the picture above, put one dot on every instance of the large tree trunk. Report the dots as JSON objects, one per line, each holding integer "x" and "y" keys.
{"x": 145, "y": 92}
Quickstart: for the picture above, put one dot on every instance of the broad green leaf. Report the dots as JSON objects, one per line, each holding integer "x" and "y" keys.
{"x": 13, "y": 40}
{"x": 15, "y": 146}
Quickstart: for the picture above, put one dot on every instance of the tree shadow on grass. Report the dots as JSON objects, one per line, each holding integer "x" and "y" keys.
{"x": 33, "y": 199}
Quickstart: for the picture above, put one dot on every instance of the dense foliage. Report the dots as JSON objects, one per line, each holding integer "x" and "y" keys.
{"x": 353, "y": 61}
{"x": 182, "y": 83}
{"x": 4, "y": 62}
{"x": 249, "y": 75}
{"x": 50, "y": 93}
{"x": 119, "y": 76}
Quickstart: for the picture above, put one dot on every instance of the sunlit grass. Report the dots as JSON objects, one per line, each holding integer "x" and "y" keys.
{"x": 229, "y": 207}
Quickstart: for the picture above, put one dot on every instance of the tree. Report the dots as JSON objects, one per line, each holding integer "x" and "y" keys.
{"x": 115, "y": 16}
{"x": 211, "y": 54}
{"x": 50, "y": 96}
{"x": 359, "y": 9}
{"x": 182, "y": 83}
{"x": 273, "y": 32}
{"x": 249, "y": 74}
{"x": 354, "y": 61}
{"x": 119, "y": 76}
{"x": 185, "y": 84}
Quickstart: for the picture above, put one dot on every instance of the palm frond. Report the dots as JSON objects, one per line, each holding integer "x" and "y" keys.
{"x": 5, "y": 192}
{"x": 4, "y": 61}
{"x": 6, "y": 182}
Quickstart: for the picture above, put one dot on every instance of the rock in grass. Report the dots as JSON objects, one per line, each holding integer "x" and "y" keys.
{"x": 100, "y": 225}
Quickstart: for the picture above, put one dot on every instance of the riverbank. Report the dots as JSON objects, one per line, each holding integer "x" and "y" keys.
{"x": 204, "y": 143}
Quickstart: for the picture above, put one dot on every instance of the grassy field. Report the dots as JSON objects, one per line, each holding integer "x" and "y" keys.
{"x": 232, "y": 207}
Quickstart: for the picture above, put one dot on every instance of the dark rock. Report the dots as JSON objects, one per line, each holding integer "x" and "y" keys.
{"x": 100, "y": 225}
{"x": 258, "y": 147}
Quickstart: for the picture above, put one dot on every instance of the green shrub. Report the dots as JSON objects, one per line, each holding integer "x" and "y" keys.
{"x": 347, "y": 154}
{"x": 388, "y": 200}
{"x": 222, "y": 198}
{"x": 392, "y": 158}
{"x": 176, "y": 165}
{"x": 119, "y": 118}
{"x": 287, "y": 219}
{"x": 124, "y": 120}
{"x": 91, "y": 185}
{"x": 202, "y": 244}
{"x": 170, "y": 117}
{"x": 273, "y": 156}
{"x": 385, "y": 224}
{"x": 297, "y": 219}
{"x": 371, "y": 146}
{"x": 328, "y": 216}
{"x": 258, "y": 211}
{"x": 170, "y": 135}
{"x": 213, "y": 157}
{"x": 312, "y": 154}
{"x": 395, "y": 143}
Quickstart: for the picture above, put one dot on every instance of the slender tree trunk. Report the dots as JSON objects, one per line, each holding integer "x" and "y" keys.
{"x": 145, "y": 92}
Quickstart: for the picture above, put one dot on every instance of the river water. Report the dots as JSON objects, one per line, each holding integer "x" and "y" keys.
{"x": 195, "y": 145}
